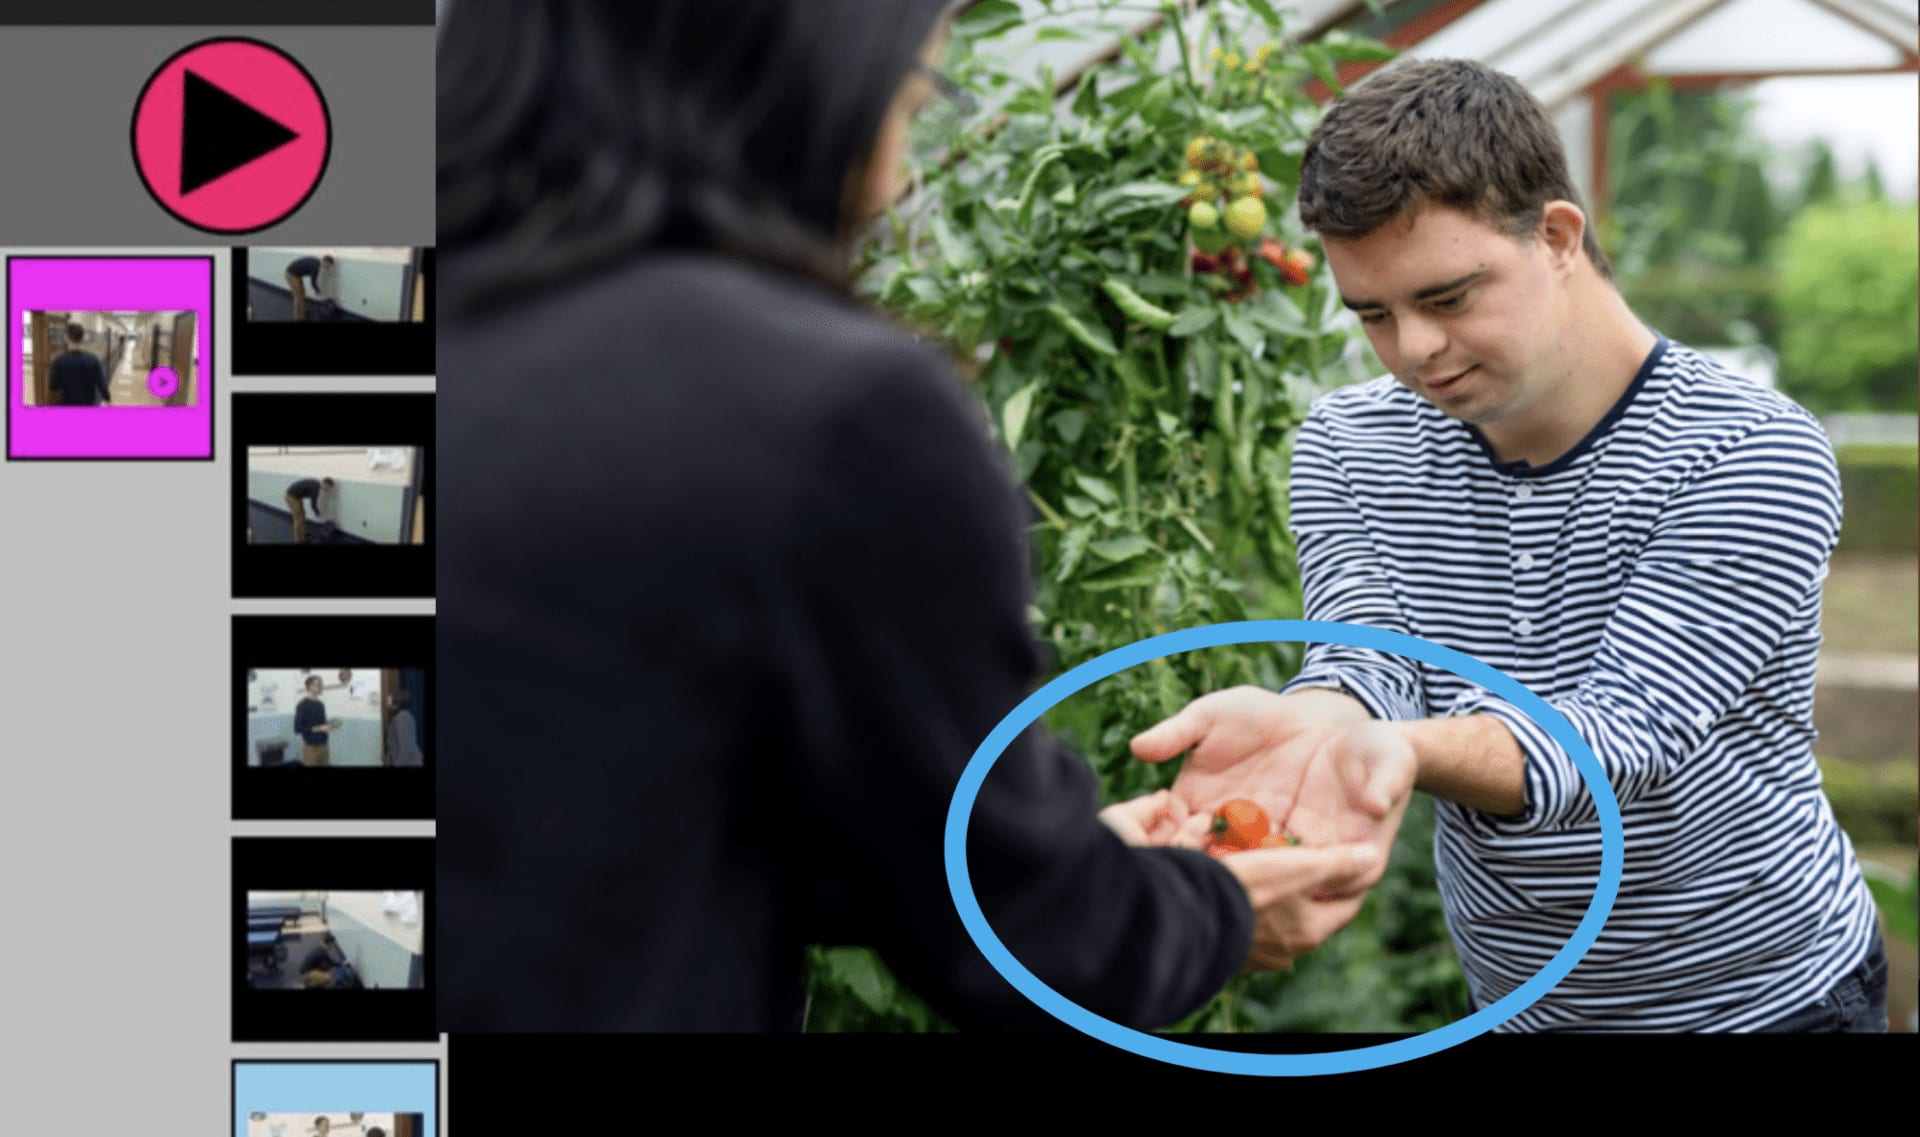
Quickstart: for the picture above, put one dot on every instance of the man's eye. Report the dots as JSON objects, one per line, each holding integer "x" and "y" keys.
{"x": 1374, "y": 318}
{"x": 1450, "y": 302}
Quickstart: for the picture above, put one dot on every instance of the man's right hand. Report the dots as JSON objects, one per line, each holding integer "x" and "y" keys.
{"x": 1248, "y": 742}
{"x": 1282, "y": 883}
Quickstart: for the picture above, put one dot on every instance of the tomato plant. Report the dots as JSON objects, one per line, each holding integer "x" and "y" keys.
{"x": 1146, "y": 362}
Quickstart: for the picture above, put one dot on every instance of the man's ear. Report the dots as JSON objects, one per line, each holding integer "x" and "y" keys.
{"x": 1563, "y": 228}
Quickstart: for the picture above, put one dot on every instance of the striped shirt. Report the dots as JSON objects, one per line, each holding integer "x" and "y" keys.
{"x": 1659, "y": 586}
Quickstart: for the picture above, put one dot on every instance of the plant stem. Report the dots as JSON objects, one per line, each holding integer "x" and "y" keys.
{"x": 1057, "y": 521}
{"x": 1186, "y": 60}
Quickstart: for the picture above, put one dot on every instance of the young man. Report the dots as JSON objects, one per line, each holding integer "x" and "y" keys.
{"x": 303, "y": 276}
{"x": 76, "y": 377}
{"x": 307, "y": 490}
{"x": 310, "y": 722}
{"x": 1604, "y": 516}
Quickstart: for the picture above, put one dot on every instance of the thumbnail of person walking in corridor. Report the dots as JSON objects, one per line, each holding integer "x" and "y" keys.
{"x": 77, "y": 378}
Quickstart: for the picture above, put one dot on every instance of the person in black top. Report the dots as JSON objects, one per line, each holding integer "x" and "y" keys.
{"x": 76, "y": 377}
{"x": 307, "y": 491}
{"x": 310, "y": 722}
{"x": 732, "y": 724}
{"x": 303, "y": 275}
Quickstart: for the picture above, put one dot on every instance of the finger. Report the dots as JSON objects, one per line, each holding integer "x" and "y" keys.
{"x": 1169, "y": 817}
{"x": 1272, "y": 875}
{"x": 1195, "y": 831}
{"x": 1123, "y": 826}
{"x": 1323, "y": 921}
{"x": 1361, "y": 767}
{"x": 1357, "y": 872}
{"x": 1147, "y": 807}
{"x": 1175, "y": 735}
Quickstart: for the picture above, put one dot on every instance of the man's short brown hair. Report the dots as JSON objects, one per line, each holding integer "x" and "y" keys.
{"x": 1447, "y": 132}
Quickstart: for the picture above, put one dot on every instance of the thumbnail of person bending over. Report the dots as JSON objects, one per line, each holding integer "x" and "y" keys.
{"x": 311, "y": 723}
{"x": 303, "y": 275}
{"x": 307, "y": 490}
{"x": 77, "y": 377}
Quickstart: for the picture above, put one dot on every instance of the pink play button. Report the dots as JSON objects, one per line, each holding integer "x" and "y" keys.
{"x": 231, "y": 135}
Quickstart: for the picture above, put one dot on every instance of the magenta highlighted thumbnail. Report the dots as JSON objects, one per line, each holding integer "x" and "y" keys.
{"x": 110, "y": 357}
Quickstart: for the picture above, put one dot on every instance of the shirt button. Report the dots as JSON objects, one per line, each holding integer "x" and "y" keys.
{"x": 1703, "y": 721}
{"x": 1526, "y": 561}
{"x": 1526, "y": 627}
{"x": 1523, "y": 493}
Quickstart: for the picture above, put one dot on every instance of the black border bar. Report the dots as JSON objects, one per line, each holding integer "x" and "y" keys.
{"x": 255, "y": 13}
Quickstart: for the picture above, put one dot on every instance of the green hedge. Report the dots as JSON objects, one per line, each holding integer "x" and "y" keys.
{"x": 1881, "y": 485}
{"x": 1877, "y": 804}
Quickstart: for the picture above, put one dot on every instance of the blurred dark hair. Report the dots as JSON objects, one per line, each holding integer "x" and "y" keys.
{"x": 574, "y": 134}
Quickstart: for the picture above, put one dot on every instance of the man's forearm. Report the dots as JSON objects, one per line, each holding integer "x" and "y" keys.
{"x": 1472, "y": 760}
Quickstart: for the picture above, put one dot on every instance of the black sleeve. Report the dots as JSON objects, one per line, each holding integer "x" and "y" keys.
{"x": 909, "y": 641}
{"x": 100, "y": 380}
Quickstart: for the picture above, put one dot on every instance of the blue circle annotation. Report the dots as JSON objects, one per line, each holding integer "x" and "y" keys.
{"x": 1159, "y": 1048}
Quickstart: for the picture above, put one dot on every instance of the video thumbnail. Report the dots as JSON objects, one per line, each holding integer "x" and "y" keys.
{"x": 110, "y": 358}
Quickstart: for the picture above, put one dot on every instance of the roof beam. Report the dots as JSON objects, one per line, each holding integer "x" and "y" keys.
{"x": 1877, "y": 20}
{"x": 1593, "y": 61}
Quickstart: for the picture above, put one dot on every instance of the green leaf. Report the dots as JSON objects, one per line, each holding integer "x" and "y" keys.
{"x": 957, "y": 250}
{"x": 1172, "y": 693}
{"x": 1071, "y": 424}
{"x": 1092, "y": 336}
{"x": 1122, "y": 576}
{"x": 1072, "y": 548}
{"x": 1080, "y": 507}
{"x": 1276, "y": 319}
{"x": 1265, "y": 11}
{"x": 1194, "y": 531}
{"x": 1065, "y": 195}
{"x": 1132, "y": 196}
{"x": 988, "y": 18}
{"x": 1194, "y": 318}
{"x": 1013, "y": 416}
{"x": 1086, "y": 102}
{"x": 1023, "y": 213}
{"x": 1322, "y": 66}
{"x": 1048, "y": 35}
{"x": 859, "y": 971}
{"x": 1241, "y": 327}
{"x": 1125, "y": 548}
{"x": 1343, "y": 46}
{"x": 1098, "y": 489}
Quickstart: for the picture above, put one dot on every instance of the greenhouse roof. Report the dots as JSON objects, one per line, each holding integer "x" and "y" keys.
{"x": 1561, "y": 48}
{"x": 1558, "y": 48}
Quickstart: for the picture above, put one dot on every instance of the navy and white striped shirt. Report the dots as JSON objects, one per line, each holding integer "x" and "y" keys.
{"x": 1659, "y": 586}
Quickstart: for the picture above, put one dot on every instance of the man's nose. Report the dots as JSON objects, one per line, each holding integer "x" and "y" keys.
{"x": 1420, "y": 339}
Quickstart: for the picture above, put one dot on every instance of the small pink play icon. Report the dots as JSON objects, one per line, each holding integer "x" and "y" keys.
{"x": 163, "y": 382}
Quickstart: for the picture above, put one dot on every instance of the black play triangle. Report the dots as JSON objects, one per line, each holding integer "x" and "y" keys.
{"x": 219, "y": 134}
